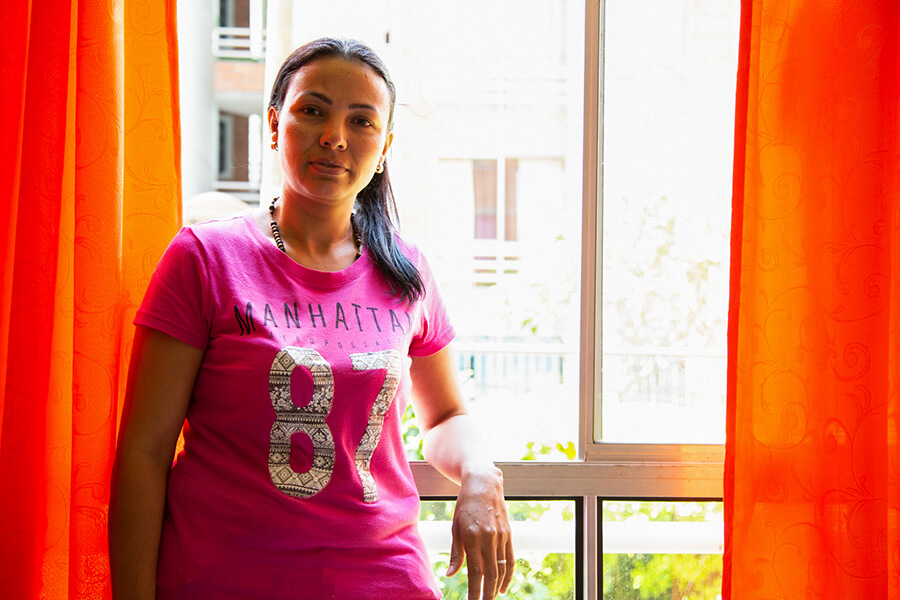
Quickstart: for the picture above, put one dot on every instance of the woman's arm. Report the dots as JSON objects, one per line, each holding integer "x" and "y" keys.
{"x": 454, "y": 447}
{"x": 160, "y": 379}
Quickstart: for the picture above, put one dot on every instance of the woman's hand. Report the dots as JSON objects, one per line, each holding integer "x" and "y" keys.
{"x": 481, "y": 534}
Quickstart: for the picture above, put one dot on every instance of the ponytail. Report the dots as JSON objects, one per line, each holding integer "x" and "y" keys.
{"x": 376, "y": 214}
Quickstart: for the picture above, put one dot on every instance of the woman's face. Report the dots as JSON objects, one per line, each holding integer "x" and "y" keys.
{"x": 332, "y": 130}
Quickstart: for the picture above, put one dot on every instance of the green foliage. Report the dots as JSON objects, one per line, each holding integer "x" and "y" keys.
{"x": 662, "y": 511}
{"x": 679, "y": 577}
{"x": 558, "y": 450}
{"x": 527, "y": 511}
{"x": 436, "y": 510}
{"x": 558, "y": 574}
{"x": 618, "y": 583}
{"x": 412, "y": 435}
{"x": 662, "y": 576}
{"x": 554, "y": 580}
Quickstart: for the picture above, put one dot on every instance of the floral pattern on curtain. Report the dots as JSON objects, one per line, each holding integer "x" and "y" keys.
{"x": 90, "y": 159}
{"x": 812, "y": 482}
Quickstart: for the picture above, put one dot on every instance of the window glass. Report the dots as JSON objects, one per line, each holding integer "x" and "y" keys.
{"x": 233, "y": 147}
{"x": 668, "y": 113}
{"x": 662, "y": 550}
{"x": 487, "y": 169}
{"x": 484, "y": 187}
{"x": 544, "y": 536}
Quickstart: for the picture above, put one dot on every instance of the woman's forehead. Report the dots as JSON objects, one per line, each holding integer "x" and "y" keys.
{"x": 353, "y": 80}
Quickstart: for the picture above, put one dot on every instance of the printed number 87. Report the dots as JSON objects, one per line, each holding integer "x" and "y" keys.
{"x": 310, "y": 419}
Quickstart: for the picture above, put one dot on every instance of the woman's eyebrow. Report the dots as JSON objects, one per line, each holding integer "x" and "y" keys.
{"x": 328, "y": 100}
{"x": 318, "y": 95}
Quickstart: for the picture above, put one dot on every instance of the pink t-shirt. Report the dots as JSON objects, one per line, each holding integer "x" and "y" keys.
{"x": 293, "y": 482}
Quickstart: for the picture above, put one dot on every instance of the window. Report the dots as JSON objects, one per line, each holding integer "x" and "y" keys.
{"x": 488, "y": 189}
{"x": 667, "y": 148}
{"x": 233, "y": 147}
{"x": 484, "y": 183}
{"x": 566, "y": 167}
{"x": 226, "y": 145}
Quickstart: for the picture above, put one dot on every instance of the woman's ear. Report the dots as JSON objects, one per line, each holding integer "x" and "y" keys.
{"x": 272, "y": 117}
{"x": 387, "y": 146}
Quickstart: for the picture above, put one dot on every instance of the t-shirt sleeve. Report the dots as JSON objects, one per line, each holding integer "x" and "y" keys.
{"x": 176, "y": 302}
{"x": 434, "y": 329}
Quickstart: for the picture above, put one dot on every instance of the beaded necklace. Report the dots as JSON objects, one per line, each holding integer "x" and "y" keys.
{"x": 276, "y": 233}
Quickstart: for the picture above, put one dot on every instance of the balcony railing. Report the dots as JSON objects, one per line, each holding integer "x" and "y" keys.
{"x": 247, "y": 43}
{"x": 650, "y": 375}
{"x": 516, "y": 366}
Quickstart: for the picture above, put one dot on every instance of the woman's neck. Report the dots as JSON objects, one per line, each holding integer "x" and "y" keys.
{"x": 323, "y": 240}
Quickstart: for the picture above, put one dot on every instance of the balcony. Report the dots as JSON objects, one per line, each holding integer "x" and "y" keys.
{"x": 239, "y": 43}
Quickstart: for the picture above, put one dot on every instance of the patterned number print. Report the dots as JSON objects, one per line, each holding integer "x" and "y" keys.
{"x": 310, "y": 419}
{"x": 373, "y": 361}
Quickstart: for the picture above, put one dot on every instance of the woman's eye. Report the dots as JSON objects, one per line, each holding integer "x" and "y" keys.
{"x": 363, "y": 122}
{"x": 310, "y": 110}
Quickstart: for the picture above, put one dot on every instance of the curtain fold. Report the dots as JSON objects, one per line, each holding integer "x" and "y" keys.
{"x": 94, "y": 185}
{"x": 812, "y": 481}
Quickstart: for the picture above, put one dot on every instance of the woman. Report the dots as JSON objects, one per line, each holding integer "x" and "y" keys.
{"x": 289, "y": 338}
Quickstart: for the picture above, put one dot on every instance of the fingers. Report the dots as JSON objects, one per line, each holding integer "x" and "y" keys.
{"x": 491, "y": 572}
{"x": 505, "y": 551}
{"x": 499, "y": 553}
{"x": 510, "y": 566}
{"x": 490, "y": 564}
{"x": 483, "y": 576}
{"x": 479, "y": 569}
{"x": 456, "y": 555}
{"x": 503, "y": 567}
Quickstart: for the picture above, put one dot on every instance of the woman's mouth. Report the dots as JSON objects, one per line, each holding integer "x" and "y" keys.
{"x": 327, "y": 167}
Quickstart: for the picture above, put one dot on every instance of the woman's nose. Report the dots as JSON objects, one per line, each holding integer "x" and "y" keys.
{"x": 334, "y": 136}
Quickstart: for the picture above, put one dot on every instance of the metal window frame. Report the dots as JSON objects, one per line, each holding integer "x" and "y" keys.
{"x": 602, "y": 471}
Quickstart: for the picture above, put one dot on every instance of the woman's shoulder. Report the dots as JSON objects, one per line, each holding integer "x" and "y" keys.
{"x": 409, "y": 248}
{"x": 220, "y": 242}
{"x": 417, "y": 256}
{"x": 225, "y": 233}
{"x": 223, "y": 227}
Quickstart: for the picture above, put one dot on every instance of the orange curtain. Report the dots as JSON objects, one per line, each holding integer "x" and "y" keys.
{"x": 90, "y": 167}
{"x": 812, "y": 482}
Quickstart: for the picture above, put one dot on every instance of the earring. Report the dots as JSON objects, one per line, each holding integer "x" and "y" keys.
{"x": 275, "y": 141}
{"x": 380, "y": 167}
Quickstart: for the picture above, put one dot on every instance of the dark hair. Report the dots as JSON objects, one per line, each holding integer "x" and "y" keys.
{"x": 376, "y": 210}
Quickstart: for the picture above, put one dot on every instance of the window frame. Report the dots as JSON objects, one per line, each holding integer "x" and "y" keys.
{"x": 601, "y": 471}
